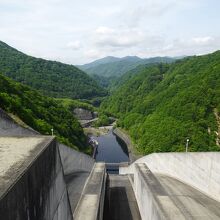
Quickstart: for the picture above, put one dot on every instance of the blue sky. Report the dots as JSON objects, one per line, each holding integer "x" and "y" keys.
{"x": 78, "y": 32}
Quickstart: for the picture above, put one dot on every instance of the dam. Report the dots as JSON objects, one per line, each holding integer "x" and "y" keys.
{"x": 43, "y": 179}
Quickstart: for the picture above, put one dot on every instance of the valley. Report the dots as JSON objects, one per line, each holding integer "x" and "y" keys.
{"x": 108, "y": 138}
{"x": 160, "y": 102}
{"x": 109, "y": 110}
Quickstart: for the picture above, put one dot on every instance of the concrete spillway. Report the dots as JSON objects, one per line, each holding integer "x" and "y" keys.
{"x": 120, "y": 200}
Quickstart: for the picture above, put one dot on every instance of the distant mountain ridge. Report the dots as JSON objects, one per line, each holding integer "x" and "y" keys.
{"x": 49, "y": 77}
{"x": 116, "y": 67}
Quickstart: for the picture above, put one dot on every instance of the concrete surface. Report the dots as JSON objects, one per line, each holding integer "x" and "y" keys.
{"x": 83, "y": 114}
{"x": 120, "y": 203}
{"x": 77, "y": 167}
{"x": 192, "y": 203}
{"x": 9, "y": 127}
{"x": 16, "y": 154}
{"x": 87, "y": 123}
{"x": 90, "y": 206}
{"x": 74, "y": 161}
{"x": 16, "y": 150}
{"x": 147, "y": 190}
{"x": 36, "y": 189}
{"x": 75, "y": 184}
{"x": 199, "y": 170}
{"x": 163, "y": 197}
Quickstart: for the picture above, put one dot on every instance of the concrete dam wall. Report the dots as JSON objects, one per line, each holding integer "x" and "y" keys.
{"x": 33, "y": 187}
{"x": 39, "y": 177}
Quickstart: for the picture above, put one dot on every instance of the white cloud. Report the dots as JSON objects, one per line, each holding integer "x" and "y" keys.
{"x": 203, "y": 40}
{"x": 75, "y": 45}
{"x": 78, "y": 33}
{"x": 118, "y": 41}
{"x": 104, "y": 30}
{"x": 92, "y": 54}
{"x": 188, "y": 46}
{"x": 121, "y": 37}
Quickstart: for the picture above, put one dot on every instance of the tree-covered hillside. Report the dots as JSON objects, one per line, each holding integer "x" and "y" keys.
{"x": 52, "y": 78}
{"x": 116, "y": 67}
{"x": 163, "y": 105}
{"x": 41, "y": 113}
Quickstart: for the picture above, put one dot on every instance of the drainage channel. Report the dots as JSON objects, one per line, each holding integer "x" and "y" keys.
{"x": 120, "y": 201}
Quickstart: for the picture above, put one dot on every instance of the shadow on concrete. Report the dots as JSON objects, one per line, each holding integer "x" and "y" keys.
{"x": 75, "y": 182}
{"x": 117, "y": 205}
{"x": 119, "y": 200}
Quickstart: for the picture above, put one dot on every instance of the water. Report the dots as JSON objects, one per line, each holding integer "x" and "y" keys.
{"x": 111, "y": 149}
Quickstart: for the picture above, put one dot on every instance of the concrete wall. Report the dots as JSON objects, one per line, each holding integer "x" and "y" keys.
{"x": 40, "y": 192}
{"x": 75, "y": 166}
{"x": 9, "y": 127}
{"x": 144, "y": 193}
{"x": 74, "y": 161}
{"x": 200, "y": 170}
{"x": 83, "y": 114}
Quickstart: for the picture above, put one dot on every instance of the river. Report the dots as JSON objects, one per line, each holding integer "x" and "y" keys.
{"x": 111, "y": 149}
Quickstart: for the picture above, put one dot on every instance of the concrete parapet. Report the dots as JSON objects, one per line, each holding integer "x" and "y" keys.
{"x": 153, "y": 201}
{"x": 33, "y": 186}
{"x": 199, "y": 170}
{"x": 91, "y": 204}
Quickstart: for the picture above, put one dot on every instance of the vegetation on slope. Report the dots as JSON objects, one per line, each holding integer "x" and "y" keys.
{"x": 116, "y": 67}
{"x": 163, "y": 105}
{"x": 52, "y": 78}
{"x": 71, "y": 104}
{"x": 41, "y": 113}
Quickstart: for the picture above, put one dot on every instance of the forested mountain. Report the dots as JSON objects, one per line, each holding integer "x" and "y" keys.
{"x": 108, "y": 59}
{"x": 164, "y": 104}
{"x": 41, "y": 113}
{"x": 116, "y": 67}
{"x": 52, "y": 78}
